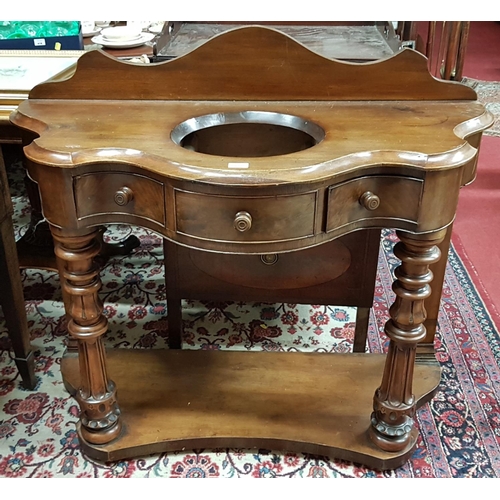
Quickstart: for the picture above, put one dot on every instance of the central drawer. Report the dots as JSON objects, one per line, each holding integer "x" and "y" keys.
{"x": 240, "y": 218}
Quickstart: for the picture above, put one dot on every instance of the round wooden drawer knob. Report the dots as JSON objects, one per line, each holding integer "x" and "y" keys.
{"x": 123, "y": 196}
{"x": 269, "y": 258}
{"x": 242, "y": 221}
{"x": 369, "y": 200}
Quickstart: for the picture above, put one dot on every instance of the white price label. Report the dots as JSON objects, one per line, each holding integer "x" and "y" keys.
{"x": 238, "y": 165}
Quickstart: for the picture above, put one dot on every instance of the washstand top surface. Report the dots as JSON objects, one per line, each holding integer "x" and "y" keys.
{"x": 332, "y": 116}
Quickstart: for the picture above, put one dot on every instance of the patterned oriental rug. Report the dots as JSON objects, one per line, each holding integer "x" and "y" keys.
{"x": 459, "y": 428}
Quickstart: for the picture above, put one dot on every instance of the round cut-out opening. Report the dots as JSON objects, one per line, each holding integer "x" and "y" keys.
{"x": 247, "y": 134}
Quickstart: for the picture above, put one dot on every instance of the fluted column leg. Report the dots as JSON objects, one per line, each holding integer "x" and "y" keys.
{"x": 99, "y": 417}
{"x": 394, "y": 401}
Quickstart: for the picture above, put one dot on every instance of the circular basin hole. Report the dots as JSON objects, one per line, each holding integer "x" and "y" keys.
{"x": 247, "y": 134}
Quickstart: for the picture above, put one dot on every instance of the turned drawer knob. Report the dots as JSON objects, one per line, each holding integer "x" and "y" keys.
{"x": 242, "y": 221}
{"x": 369, "y": 200}
{"x": 124, "y": 196}
{"x": 269, "y": 258}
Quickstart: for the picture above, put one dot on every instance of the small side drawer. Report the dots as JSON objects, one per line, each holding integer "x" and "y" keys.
{"x": 239, "y": 218}
{"x": 374, "y": 197}
{"x": 103, "y": 193}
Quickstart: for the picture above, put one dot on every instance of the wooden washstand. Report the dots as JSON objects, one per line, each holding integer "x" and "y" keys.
{"x": 246, "y": 153}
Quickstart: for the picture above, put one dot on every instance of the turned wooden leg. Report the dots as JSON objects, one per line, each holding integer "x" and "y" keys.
{"x": 394, "y": 401}
{"x": 99, "y": 418}
{"x": 71, "y": 342}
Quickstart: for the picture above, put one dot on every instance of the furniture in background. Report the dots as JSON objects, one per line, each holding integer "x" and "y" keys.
{"x": 444, "y": 43}
{"x": 20, "y": 71}
{"x": 349, "y": 41}
{"x": 452, "y": 51}
{"x": 252, "y": 146}
{"x": 11, "y": 290}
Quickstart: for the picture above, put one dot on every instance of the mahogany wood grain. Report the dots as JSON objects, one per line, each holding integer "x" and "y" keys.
{"x": 341, "y": 272}
{"x": 272, "y": 218}
{"x": 394, "y": 401}
{"x": 35, "y": 248}
{"x": 303, "y": 402}
{"x": 81, "y": 283}
{"x": 349, "y": 143}
{"x": 224, "y": 69}
{"x": 391, "y": 147}
{"x": 129, "y": 193}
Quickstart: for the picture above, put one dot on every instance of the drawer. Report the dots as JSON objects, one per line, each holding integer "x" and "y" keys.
{"x": 102, "y": 193}
{"x": 341, "y": 271}
{"x": 373, "y": 197}
{"x": 240, "y": 218}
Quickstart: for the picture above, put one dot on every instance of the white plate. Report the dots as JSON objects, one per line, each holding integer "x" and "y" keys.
{"x": 121, "y": 33}
{"x": 122, "y": 44}
{"x": 91, "y": 33}
{"x": 123, "y": 39}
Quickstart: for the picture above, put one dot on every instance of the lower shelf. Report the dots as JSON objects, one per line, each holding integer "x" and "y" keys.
{"x": 314, "y": 403}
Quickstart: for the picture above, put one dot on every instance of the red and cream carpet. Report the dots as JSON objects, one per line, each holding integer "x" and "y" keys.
{"x": 459, "y": 429}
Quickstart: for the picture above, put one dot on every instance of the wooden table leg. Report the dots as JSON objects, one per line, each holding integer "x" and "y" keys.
{"x": 394, "y": 403}
{"x": 174, "y": 308}
{"x": 11, "y": 289}
{"x": 361, "y": 331}
{"x": 96, "y": 395}
{"x": 12, "y": 301}
{"x": 425, "y": 349}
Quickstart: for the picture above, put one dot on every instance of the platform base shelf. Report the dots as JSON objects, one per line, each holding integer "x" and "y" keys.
{"x": 314, "y": 403}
